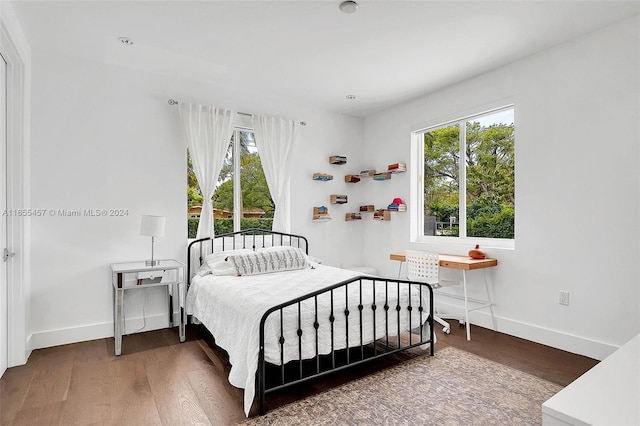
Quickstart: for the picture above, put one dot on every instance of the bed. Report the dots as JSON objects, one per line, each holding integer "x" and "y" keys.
{"x": 285, "y": 319}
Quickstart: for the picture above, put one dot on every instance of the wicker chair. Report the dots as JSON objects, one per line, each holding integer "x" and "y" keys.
{"x": 425, "y": 267}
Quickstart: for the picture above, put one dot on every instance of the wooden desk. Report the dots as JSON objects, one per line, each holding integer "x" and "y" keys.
{"x": 454, "y": 261}
{"x": 465, "y": 264}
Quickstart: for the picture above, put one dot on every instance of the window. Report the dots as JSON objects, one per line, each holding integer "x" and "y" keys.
{"x": 237, "y": 203}
{"x": 466, "y": 178}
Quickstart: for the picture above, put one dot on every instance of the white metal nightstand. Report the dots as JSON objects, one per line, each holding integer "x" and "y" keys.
{"x": 143, "y": 276}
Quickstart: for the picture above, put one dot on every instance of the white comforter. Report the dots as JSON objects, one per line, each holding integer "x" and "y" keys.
{"x": 231, "y": 308}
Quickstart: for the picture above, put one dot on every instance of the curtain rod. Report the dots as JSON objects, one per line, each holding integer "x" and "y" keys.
{"x": 174, "y": 102}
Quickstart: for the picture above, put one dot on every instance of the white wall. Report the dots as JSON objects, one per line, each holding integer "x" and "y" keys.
{"x": 104, "y": 137}
{"x": 577, "y": 189}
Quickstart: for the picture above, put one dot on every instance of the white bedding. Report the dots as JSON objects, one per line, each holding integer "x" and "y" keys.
{"x": 231, "y": 308}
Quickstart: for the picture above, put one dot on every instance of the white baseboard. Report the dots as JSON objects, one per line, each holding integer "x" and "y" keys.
{"x": 46, "y": 339}
{"x": 29, "y": 347}
{"x": 27, "y": 350}
{"x": 535, "y": 333}
{"x": 554, "y": 338}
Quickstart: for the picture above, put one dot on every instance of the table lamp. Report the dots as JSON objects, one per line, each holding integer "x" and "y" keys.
{"x": 152, "y": 226}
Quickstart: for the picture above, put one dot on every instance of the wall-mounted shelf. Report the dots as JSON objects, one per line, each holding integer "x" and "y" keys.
{"x": 338, "y": 199}
{"x": 382, "y": 214}
{"x": 337, "y": 159}
{"x": 382, "y": 176}
{"x": 321, "y": 214}
{"x": 393, "y": 207}
{"x": 367, "y": 173}
{"x": 397, "y": 168}
{"x": 322, "y": 176}
{"x": 352, "y": 178}
{"x": 352, "y": 216}
{"x": 369, "y": 208}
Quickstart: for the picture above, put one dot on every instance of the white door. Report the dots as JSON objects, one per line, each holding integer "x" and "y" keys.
{"x": 4, "y": 343}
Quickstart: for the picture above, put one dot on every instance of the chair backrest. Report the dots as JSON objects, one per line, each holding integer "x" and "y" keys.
{"x": 422, "y": 266}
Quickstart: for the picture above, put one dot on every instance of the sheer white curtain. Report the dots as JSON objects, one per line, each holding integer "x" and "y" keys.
{"x": 275, "y": 138}
{"x": 207, "y": 132}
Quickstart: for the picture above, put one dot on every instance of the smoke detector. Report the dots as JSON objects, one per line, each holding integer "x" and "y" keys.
{"x": 348, "y": 6}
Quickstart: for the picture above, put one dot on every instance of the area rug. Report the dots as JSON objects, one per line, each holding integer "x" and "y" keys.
{"x": 453, "y": 387}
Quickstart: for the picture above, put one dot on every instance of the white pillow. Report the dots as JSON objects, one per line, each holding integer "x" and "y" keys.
{"x": 270, "y": 259}
{"x": 204, "y": 270}
{"x": 217, "y": 262}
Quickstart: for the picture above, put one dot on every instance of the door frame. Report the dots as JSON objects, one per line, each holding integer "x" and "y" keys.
{"x": 16, "y": 53}
{"x": 4, "y": 292}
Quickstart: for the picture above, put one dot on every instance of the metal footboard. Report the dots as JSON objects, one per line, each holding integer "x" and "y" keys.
{"x": 385, "y": 295}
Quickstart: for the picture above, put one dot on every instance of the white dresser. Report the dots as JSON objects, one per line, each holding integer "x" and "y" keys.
{"x": 608, "y": 394}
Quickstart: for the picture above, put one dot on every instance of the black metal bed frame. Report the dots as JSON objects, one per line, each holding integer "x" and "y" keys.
{"x": 302, "y": 370}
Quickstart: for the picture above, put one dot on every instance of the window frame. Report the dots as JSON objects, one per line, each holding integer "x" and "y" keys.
{"x": 236, "y": 159}
{"x": 238, "y": 210}
{"x": 237, "y": 188}
{"x": 417, "y": 182}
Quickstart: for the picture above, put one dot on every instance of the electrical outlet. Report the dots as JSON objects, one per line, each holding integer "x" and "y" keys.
{"x": 564, "y": 298}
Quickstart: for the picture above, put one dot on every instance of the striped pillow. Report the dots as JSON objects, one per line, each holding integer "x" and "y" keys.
{"x": 267, "y": 260}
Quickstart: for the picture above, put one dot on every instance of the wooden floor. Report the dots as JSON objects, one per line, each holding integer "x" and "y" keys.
{"x": 160, "y": 381}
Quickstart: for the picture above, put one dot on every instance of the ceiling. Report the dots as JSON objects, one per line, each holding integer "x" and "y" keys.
{"x": 309, "y": 51}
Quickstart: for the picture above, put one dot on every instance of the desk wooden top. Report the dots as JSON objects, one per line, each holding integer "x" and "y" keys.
{"x": 454, "y": 261}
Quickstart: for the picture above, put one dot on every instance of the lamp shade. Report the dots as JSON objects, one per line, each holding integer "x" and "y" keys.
{"x": 152, "y": 226}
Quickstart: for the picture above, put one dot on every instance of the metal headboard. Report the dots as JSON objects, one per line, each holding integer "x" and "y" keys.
{"x": 253, "y": 238}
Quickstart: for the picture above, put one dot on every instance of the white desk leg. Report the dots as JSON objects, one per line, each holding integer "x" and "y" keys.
{"x": 400, "y": 270}
{"x": 493, "y": 317}
{"x": 466, "y": 304}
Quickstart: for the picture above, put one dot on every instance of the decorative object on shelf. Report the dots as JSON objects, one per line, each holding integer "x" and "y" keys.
{"x": 338, "y": 199}
{"x": 367, "y": 173}
{"x": 397, "y": 168}
{"x": 352, "y": 216}
{"x": 337, "y": 159}
{"x": 382, "y": 176}
{"x": 477, "y": 253}
{"x": 352, "y": 178}
{"x": 382, "y": 214}
{"x": 152, "y": 226}
{"x": 397, "y": 205}
{"x": 368, "y": 208}
{"x": 321, "y": 214}
{"x": 322, "y": 176}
